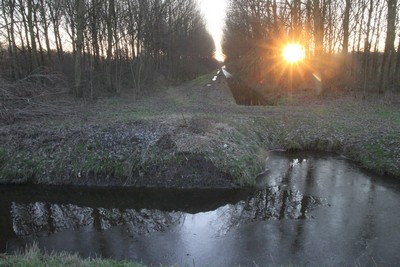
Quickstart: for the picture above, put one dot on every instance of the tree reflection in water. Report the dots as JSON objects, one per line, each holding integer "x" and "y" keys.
{"x": 273, "y": 203}
{"x": 270, "y": 203}
{"x": 39, "y": 217}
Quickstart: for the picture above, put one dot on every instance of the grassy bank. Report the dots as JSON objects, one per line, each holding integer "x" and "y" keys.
{"x": 124, "y": 142}
{"x": 33, "y": 257}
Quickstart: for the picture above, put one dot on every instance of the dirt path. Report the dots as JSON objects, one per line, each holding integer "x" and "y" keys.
{"x": 193, "y": 135}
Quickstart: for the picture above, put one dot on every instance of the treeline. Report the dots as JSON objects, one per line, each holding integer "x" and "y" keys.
{"x": 348, "y": 44}
{"x": 104, "y": 45}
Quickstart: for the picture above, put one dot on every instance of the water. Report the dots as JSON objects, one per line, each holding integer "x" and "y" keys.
{"x": 311, "y": 210}
{"x": 244, "y": 94}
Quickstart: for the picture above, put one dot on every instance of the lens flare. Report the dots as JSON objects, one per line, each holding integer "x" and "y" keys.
{"x": 293, "y": 53}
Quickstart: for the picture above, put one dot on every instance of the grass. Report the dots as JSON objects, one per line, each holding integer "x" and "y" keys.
{"x": 243, "y": 156}
{"x": 94, "y": 159}
{"x": 250, "y": 160}
{"x": 385, "y": 113}
{"x": 20, "y": 166}
{"x": 3, "y": 154}
{"x": 376, "y": 157}
{"x": 201, "y": 120}
{"x": 201, "y": 80}
{"x": 48, "y": 167}
{"x": 34, "y": 257}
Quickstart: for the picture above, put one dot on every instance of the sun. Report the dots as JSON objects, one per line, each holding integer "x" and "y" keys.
{"x": 293, "y": 53}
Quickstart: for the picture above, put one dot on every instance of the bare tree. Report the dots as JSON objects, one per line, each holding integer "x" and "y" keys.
{"x": 45, "y": 26}
{"x": 34, "y": 59}
{"x": 54, "y": 11}
{"x": 130, "y": 42}
{"x": 397, "y": 70}
{"x": 8, "y": 7}
{"x": 80, "y": 22}
{"x": 389, "y": 45}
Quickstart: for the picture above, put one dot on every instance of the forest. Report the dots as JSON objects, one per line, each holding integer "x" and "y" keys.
{"x": 94, "y": 47}
{"x": 350, "y": 46}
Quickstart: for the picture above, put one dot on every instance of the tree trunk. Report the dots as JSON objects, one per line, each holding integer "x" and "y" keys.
{"x": 80, "y": 26}
{"x": 54, "y": 21}
{"x": 12, "y": 47}
{"x": 275, "y": 15}
{"x": 345, "y": 48}
{"x": 14, "y": 58}
{"x": 39, "y": 40}
{"x": 117, "y": 48}
{"x": 308, "y": 27}
{"x": 95, "y": 31}
{"x": 44, "y": 15}
{"x": 318, "y": 40}
{"x": 367, "y": 48}
{"x": 397, "y": 71}
{"x": 26, "y": 30}
{"x": 31, "y": 28}
{"x": 389, "y": 45}
{"x": 296, "y": 19}
{"x": 346, "y": 21}
{"x": 110, "y": 37}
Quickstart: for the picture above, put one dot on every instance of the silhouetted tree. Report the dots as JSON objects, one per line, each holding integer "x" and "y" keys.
{"x": 342, "y": 41}
{"x": 105, "y": 44}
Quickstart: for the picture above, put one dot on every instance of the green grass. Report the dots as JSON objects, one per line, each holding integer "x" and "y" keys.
{"x": 240, "y": 152}
{"x": 94, "y": 159}
{"x": 131, "y": 114}
{"x": 3, "y": 156}
{"x": 20, "y": 166}
{"x": 44, "y": 166}
{"x": 385, "y": 113}
{"x": 377, "y": 158}
{"x": 33, "y": 257}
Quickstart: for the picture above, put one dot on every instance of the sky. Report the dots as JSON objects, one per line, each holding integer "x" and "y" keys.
{"x": 214, "y": 12}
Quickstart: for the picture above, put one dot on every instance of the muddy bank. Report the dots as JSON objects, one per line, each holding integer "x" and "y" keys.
{"x": 193, "y": 136}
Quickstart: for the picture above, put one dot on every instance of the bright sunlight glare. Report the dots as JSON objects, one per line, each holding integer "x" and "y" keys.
{"x": 214, "y": 11}
{"x": 218, "y": 54}
{"x": 293, "y": 53}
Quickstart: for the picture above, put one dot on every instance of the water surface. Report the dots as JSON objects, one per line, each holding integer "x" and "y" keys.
{"x": 312, "y": 210}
